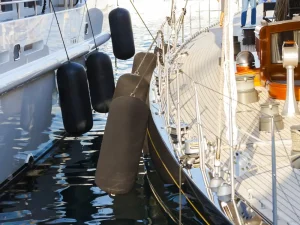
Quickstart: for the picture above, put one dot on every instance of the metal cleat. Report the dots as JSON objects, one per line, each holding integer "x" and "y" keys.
{"x": 242, "y": 162}
{"x": 173, "y": 132}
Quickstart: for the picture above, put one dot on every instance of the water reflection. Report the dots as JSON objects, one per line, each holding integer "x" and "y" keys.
{"x": 61, "y": 190}
{"x": 25, "y": 113}
{"x": 37, "y": 101}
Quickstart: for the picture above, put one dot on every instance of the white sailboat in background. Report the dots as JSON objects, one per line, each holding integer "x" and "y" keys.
{"x": 31, "y": 49}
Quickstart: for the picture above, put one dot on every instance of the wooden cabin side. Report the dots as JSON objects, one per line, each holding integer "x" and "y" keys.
{"x": 269, "y": 40}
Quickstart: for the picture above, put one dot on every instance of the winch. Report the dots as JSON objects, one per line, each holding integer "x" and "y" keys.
{"x": 269, "y": 110}
{"x": 245, "y": 89}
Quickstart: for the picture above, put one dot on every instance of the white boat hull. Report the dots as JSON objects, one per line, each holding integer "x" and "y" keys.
{"x": 30, "y": 117}
{"x": 26, "y": 119}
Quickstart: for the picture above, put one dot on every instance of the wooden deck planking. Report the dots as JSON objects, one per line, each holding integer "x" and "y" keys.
{"x": 202, "y": 66}
{"x": 253, "y": 180}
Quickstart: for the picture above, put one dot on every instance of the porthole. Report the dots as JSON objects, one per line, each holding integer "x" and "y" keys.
{"x": 17, "y": 52}
{"x": 86, "y": 29}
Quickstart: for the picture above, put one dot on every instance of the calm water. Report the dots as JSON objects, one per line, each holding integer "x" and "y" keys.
{"x": 60, "y": 189}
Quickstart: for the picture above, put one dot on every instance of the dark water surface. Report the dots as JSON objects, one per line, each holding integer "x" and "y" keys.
{"x": 61, "y": 190}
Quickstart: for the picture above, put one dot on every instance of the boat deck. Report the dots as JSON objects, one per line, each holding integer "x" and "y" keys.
{"x": 255, "y": 185}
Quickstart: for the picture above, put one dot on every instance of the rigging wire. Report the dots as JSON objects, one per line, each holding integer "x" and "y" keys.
{"x": 181, "y": 19}
{"x": 142, "y": 20}
{"x": 136, "y": 72}
{"x": 281, "y": 139}
{"x": 217, "y": 92}
{"x": 174, "y": 180}
{"x": 180, "y": 189}
{"x": 154, "y": 41}
{"x": 239, "y": 143}
{"x": 293, "y": 169}
{"x": 241, "y": 140}
{"x": 96, "y": 47}
{"x": 172, "y": 8}
{"x": 59, "y": 30}
{"x": 229, "y": 97}
{"x": 260, "y": 166}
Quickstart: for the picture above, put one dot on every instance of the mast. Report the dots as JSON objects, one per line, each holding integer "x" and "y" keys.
{"x": 230, "y": 92}
{"x": 281, "y": 10}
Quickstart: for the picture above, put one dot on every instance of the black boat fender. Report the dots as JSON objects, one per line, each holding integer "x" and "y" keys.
{"x": 101, "y": 81}
{"x": 122, "y": 145}
{"x": 121, "y": 33}
{"x": 74, "y": 98}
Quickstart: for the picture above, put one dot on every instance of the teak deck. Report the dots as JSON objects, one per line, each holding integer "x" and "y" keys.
{"x": 255, "y": 186}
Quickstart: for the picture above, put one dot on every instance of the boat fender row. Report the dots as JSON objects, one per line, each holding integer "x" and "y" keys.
{"x": 76, "y": 86}
{"x": 74, "y": 90}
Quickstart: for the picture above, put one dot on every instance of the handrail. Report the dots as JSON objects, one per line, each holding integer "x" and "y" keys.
{"x": 171, "y": 65}
{"x": 165, "y": 74}
{"x": 16, "y": 2}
